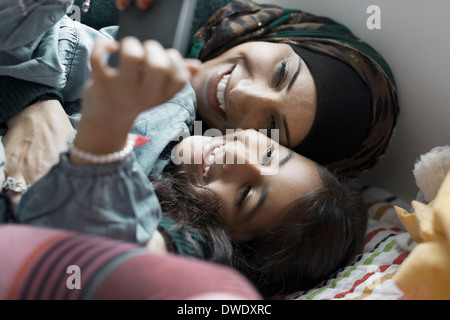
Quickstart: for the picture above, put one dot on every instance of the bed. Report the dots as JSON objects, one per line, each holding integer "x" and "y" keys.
{"x": 28, "y": 273}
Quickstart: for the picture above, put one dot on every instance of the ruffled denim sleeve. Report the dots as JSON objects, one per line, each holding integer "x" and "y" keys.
{"x": 115, "y": 200}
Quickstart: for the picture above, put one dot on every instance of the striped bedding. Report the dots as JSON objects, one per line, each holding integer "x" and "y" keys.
{"x": 369, "y": 276}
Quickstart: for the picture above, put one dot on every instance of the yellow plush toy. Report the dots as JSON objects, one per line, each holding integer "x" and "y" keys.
{"x": 425, "y": 274}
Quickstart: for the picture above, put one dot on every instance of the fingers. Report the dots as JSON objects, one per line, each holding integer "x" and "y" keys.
{"x": 157, "y": 64}
{"x": 193, "y": 65}
{"x": 148, "y": 74}
{"x": 165, "y": 72}
{"x": 179, "y": 73}
{"x": 144, "y": 4}
{"x": 132, "y": 57}
{"x": 100, "y": 69}
{"x": 122, "y": 4}
{"x": 141, "y": 4}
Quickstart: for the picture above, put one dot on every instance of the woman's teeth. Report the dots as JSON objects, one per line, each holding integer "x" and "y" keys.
{"x": 220, "y": 95}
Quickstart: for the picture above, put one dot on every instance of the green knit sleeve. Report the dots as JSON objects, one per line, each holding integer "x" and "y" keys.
{"x": 16, "y": 94}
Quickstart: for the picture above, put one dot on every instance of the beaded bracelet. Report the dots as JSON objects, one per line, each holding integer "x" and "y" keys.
{"x": 103, "y": 158}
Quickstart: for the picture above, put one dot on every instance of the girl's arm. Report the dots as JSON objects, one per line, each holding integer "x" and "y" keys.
{"x": 148, "y": 75}
{"x": 114, "y": 199}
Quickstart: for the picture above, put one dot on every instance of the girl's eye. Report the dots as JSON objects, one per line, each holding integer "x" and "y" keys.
{"x": 267, "y": 156}
{"x": 281, "y": 74}
{"x": 243, "y": 193}
{"x": 272, "y": 125}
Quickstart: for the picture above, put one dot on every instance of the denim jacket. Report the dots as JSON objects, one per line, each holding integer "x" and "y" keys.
{"x": 47, "y": 47}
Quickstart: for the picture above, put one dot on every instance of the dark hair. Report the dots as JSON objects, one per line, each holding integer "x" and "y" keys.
{"x": 196, "y": 211}
{"x": 323, "y": 230}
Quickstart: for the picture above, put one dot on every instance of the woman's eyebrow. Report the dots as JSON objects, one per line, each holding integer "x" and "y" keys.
{"x": 291, "y": 83}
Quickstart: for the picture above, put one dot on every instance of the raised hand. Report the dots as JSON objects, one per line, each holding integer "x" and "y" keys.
{"x": 148, "y": 75}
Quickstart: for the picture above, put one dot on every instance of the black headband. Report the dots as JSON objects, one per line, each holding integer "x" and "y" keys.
{"x": 344, "y": 109}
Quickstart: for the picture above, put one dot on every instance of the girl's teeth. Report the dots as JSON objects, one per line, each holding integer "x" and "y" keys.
{"x": 210, "y": 160}
{"x": 212, "y": 155}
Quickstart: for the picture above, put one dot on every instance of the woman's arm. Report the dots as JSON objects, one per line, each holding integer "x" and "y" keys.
{"x": 34, "y": 140}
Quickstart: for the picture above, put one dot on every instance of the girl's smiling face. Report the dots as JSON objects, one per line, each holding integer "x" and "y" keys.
{"x": 255, "y": 177}
{"x": 257, "y": 85}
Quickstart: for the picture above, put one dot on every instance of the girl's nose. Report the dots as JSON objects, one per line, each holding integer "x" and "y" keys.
{"x": 241, "y": 163}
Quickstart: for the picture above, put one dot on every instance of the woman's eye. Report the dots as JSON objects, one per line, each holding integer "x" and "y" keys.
{"x": 281, "y": 74}
{"x": 267, "y": 156}
{"x": 243, "y": 193}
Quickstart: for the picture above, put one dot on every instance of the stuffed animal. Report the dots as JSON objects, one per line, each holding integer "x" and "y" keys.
{"x": 429, "y": 172}
{"x": 425, "y": 274}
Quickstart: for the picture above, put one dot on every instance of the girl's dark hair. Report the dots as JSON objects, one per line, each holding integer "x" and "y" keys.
{"x": 196, "y": 211}
{"x": 322, "y": 231}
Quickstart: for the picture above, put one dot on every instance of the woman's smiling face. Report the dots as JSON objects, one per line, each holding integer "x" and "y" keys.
{"x": 257, "y": 85}
{"x": 255, "y": 177}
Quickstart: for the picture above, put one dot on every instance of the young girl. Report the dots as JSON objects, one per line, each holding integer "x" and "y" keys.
{"x": 242, "y": 199}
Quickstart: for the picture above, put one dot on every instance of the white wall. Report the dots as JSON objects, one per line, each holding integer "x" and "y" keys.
{"x": 415, "y": 41}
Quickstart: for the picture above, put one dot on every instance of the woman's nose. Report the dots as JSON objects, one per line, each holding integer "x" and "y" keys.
{"x": 248, "y": 96}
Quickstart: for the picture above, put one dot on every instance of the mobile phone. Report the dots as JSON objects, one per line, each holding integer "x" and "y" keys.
{"x": 167, "y": 21}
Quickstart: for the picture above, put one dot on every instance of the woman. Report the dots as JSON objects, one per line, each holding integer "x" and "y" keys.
{"x": 345, "y": 125}
{"x": 346, "y": 119}
{"x": 241, "y": 200}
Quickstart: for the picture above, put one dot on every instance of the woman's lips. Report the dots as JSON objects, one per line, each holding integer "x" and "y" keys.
{"x": 211, "y": 90}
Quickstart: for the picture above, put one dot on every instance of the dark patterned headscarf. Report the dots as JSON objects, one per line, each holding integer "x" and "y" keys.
{"x": 324, "y": 45}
